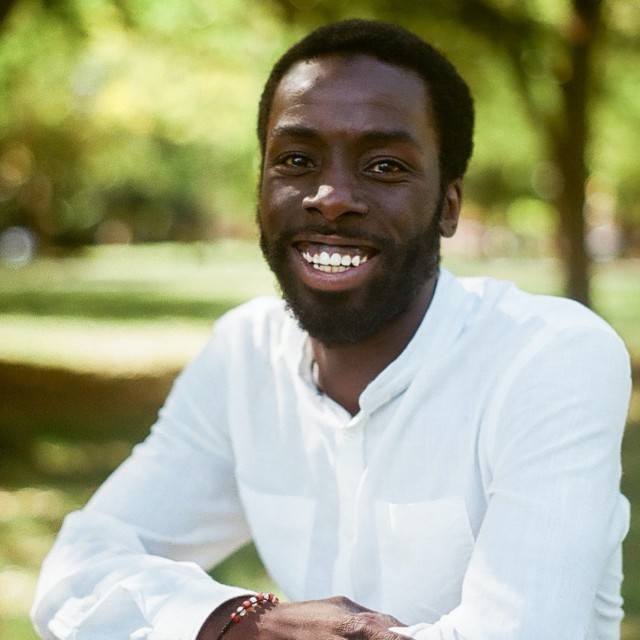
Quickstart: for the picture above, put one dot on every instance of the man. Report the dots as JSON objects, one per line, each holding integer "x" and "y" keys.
{"x": 414, "y": 455}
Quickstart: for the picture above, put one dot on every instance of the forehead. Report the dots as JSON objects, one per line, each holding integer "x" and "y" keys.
{"x": 354, "y": 91}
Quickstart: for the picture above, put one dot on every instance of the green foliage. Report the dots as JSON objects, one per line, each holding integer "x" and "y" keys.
{"x": 150, "y": 104}
{"x": 141, "y": 114}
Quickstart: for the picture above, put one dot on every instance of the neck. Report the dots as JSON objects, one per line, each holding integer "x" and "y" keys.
{"x": 345, "y": 370}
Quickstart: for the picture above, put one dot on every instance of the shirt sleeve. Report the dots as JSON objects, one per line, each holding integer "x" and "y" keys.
{"x": 547, "y": 558}
{"x": 132, "y": 563}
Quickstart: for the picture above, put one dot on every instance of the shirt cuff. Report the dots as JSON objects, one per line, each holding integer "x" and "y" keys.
{"x": 182, "y": 617}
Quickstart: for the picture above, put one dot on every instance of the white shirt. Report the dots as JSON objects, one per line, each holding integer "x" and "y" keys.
{"x": 474, "y": 496}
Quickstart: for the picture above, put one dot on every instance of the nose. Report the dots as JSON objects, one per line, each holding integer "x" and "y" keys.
{"x": 333, "y": 200}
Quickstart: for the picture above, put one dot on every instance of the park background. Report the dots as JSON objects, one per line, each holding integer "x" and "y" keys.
{"x": 127, "y": 195}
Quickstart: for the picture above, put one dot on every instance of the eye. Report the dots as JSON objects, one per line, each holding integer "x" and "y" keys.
{"x": 294, "y": 162}
{"x": 387, "y": 167}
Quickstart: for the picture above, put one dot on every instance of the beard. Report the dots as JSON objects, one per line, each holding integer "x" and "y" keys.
{"x": 333, "y": 318}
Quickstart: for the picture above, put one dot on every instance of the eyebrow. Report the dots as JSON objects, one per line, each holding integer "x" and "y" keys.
{"x": 293, "y": 131}
{"x": 379, "y": 136}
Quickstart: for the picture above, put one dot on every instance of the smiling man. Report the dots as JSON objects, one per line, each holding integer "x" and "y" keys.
{"x": 413, "y": 454}
{"x": 352, "y": 209}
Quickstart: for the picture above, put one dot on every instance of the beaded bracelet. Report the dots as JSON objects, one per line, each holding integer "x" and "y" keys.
{"x": 251, "y": 604}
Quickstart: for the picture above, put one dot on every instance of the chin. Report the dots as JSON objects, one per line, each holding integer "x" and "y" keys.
{"x": 349, "y": 317}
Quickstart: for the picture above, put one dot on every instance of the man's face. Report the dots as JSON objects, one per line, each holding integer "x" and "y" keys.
{"x": 350, "y": 194}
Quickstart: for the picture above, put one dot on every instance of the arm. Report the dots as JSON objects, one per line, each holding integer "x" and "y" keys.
{"x": 132, "y": 563}
{"x": 550, "y": 453}
{"x": 134, "y": 559}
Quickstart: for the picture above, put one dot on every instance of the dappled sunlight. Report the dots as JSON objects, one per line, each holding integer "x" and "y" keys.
{"x": 71, "y": 459}
{"x": 30, "y": 516}
{"x": 46, "y": 504}
{"x": 29, "y": 519}
{"x": 108, "y": 348}
{"x": 631, "y": 628}
{"x": 634, "y": 408}
{"x": 17, "y": 587}
{"x": 123, "y": 312}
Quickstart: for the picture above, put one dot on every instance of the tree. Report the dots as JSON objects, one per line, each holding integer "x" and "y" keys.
{"x": 553, "y": 53}
{"x": 101, "y": 123}
{"x": 550, "y": 48}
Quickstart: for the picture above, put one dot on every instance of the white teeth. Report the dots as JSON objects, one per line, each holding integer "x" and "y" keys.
{"x": 327, "y": 268}
{"x": 333, "y": 263}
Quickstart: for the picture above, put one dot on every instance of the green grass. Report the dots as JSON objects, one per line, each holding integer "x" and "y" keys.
{"x": 155, "y": 303}
{"x": 91, "y": 342}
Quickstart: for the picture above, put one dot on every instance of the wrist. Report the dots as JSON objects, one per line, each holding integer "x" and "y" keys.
{"x": 218, "y": 617}
{"x": 245, "y": 609}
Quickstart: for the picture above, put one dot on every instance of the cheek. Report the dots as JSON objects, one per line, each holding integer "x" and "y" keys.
{"x": 411, "y": 214}
{"x": 278, "y": 203}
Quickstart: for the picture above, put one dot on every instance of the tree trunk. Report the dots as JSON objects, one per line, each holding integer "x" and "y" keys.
{"x": 569, "y": 147}
{"x": 569, "y": 204}
{"x": 5, "y": 8}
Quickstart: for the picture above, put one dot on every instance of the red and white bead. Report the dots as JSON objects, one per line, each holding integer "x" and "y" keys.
{"x": 251, "y": 603}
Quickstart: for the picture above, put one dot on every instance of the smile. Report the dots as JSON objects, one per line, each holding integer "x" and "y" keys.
{"x": 334, "y": 262}
{"x": 333, "y": 259}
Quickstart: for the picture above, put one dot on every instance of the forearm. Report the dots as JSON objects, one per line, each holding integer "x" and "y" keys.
{"x": 99, "y": 574}
{"x": 133, "y": 559}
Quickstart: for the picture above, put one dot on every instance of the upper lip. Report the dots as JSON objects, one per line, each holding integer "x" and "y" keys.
{"x": 333, "y": 240}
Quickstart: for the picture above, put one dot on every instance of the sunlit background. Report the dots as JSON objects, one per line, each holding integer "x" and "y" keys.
{"x": 127, "y": 195}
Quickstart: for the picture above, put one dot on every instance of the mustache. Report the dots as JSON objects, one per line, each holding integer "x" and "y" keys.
{"x": 348, "y": 233}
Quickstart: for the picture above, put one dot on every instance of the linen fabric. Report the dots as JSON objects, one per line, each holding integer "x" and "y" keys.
{"x": 474, "y": 496}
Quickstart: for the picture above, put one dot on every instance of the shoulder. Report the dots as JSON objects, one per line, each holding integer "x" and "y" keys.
{"x": 244, "y": 340}
{"x": 260, "y": 323}
{"x": 551, "y": 365}
{"x": 502, "y": 301}
{"x": 514, "y": 327}
{"x": 255, "y": 312}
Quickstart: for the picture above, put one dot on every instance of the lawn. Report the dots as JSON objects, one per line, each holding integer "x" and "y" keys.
{"x": 91, "y": 342}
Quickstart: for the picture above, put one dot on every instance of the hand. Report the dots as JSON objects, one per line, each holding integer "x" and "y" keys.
{"x": 332, "y": 619}
{"x": 336, "y": 618}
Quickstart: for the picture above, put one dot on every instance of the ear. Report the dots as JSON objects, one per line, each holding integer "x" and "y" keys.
{"x": 451, "y": 208}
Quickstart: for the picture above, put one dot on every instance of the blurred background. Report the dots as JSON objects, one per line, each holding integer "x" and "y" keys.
{"x": 128, "y": 167}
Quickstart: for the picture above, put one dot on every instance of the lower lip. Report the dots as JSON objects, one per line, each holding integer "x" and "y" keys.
{"x": 334, "y": 282}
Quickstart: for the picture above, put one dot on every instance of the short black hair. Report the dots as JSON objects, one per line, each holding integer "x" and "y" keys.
{"x": 450, "y": 97}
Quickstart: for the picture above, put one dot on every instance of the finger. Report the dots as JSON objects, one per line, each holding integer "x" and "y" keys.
{"x": 366, "y": 626}
{"x": 382, "y": 619}
{"x": 349, "y": 605}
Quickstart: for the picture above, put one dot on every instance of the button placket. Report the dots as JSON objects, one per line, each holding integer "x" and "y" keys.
{"x": 349, "y": 471}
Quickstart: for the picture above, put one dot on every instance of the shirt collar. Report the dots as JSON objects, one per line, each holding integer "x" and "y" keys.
{"x": 442, "y": 323}
{"x": 440, "y": 327}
